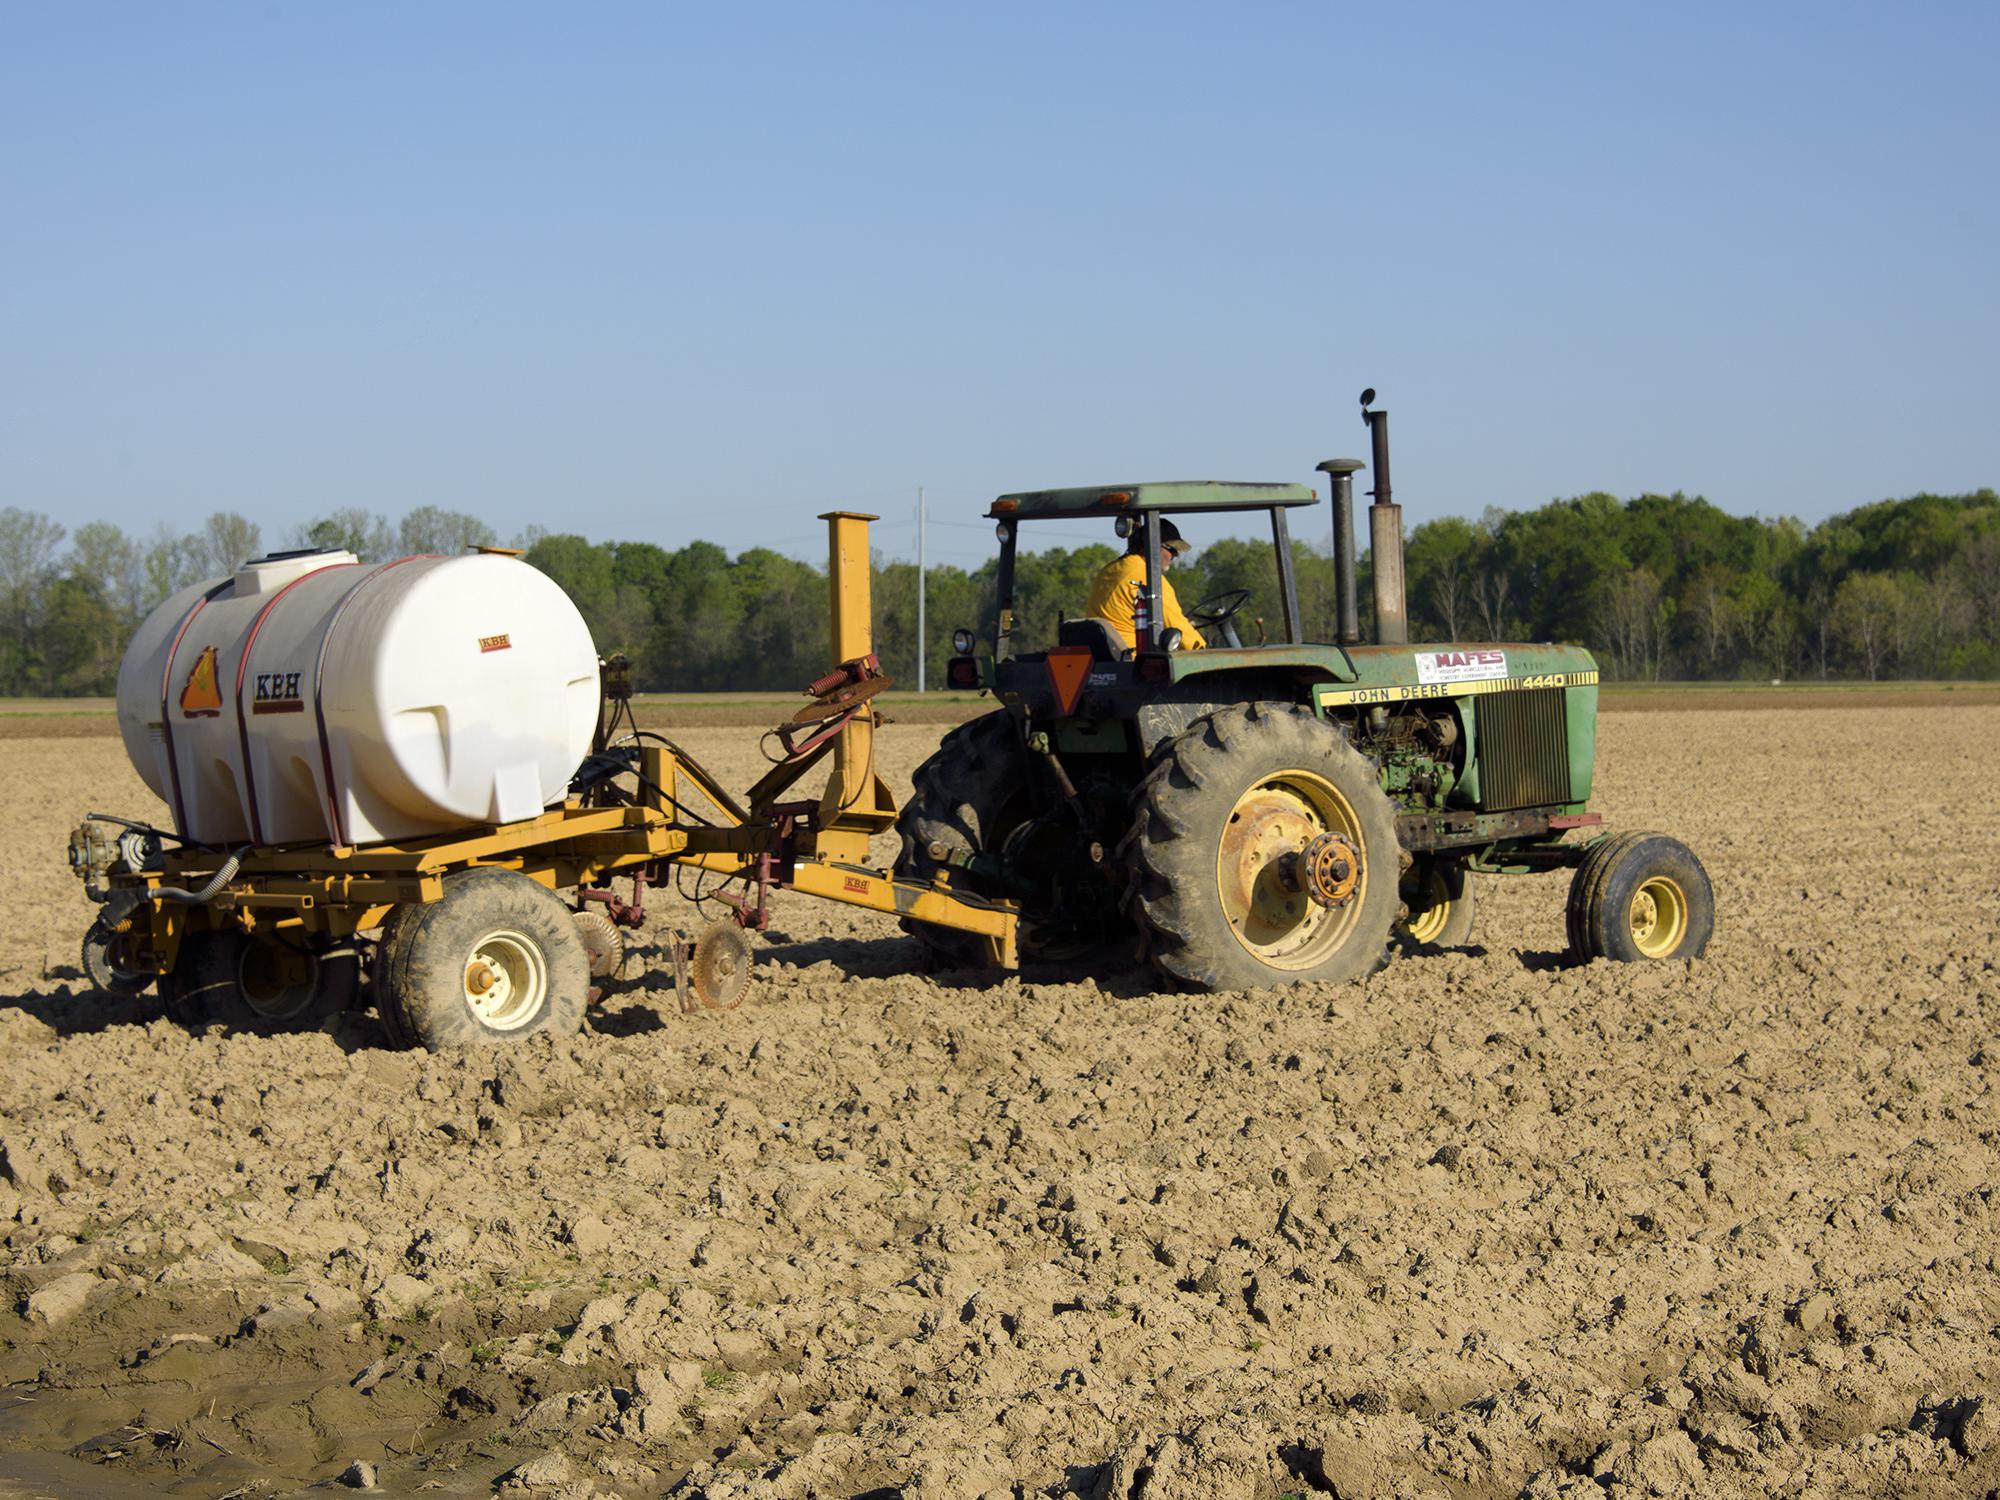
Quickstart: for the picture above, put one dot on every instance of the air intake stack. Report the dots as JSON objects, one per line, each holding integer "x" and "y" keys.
{"x": 1341, "y": 471}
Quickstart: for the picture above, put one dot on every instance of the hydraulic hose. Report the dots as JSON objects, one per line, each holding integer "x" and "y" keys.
{"x": 206, "y": 894}
{"x": 121, "y": 903}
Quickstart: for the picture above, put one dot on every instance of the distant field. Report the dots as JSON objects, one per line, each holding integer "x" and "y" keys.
{"x": 1644, "y": 697}
{"x": 93, "y": 718}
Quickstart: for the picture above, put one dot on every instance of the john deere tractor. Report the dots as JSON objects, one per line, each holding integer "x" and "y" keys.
{"x": 1262, "y": 814}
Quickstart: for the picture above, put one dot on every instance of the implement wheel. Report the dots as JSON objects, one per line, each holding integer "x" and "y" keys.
{"x": 283, "y": 985}
{"x": 969, "y": 796}
{"x": 496, "y": 959}
{"x": 1439, "y": 894}
{"x": 1640, "y": 896}
{"x": 1264, "y": 852}
{"x": 102, "y": 966}
{"x": 225, "y": 978}
{"x": 201, "y": 986}
{"x": 603, "y": 943}
{"x": 719, "y": 967}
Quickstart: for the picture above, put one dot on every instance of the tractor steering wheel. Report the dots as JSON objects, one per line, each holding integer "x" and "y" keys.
{"x": 1217, "y": 608}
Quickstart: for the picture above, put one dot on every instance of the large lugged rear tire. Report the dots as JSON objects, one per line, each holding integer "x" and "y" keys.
{"x": 967, "y": 797}
{"x": 1225, "y": 819}
{"x": 1640, "y": 896}
{"x": 494, "y": 960}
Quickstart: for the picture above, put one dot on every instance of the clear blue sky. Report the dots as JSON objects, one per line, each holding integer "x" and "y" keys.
{"x": 666, "y": 271}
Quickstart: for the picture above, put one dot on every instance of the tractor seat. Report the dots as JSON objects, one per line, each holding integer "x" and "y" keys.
{"x": 1105, "y": 643}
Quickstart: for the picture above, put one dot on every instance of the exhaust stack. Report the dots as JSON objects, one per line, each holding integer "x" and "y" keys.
{"x": 1341, "y": 471}
{"x": 1385, "y": 535}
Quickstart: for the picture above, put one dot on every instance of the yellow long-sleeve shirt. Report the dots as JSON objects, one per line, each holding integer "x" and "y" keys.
{"x": 1115, "y": 592}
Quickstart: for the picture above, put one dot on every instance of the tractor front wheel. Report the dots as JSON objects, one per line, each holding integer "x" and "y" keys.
{"x": 1442, "y": 906}
{"x": 1263, "y": 852}
{"x": 1640, "y": 896}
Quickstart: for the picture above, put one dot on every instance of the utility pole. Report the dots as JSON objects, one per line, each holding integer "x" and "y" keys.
{"x": 920, "y": 588}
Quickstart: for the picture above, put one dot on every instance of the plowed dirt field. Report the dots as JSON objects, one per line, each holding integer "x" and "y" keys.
{"x": 1489, "y": 1224}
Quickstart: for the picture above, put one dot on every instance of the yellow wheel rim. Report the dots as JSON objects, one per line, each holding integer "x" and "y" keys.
{"x": 506, "y": 979}
{"x": 1277, "y": 817}
{"x": 1658, "y": 917}
{"x": 1430, "y": 907}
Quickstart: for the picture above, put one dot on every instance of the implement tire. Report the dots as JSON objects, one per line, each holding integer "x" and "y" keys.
{"x": 101, "y": 966}
{"x": 494, "y": 960}
{"x": 383, "y": 981}
{"x": 1218, "y": 815}
{"x": 972, "y": 792}
{"x": 253, "y": 983}
{"x": 1638, "y": 897}
{"x": 201, "y": 986}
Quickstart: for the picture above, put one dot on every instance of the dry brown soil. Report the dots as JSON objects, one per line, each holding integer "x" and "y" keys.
{"x": 1486, "y": 1225}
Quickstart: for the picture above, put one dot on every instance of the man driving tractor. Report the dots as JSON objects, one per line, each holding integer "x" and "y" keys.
{"x": 1115, "y": 591}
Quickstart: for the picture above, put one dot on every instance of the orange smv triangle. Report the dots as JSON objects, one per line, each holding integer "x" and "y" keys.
{"x": 1068, "y": 666}
{"x": 202, "y": 697}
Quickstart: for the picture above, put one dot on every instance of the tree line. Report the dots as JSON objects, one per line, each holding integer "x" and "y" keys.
{"x": 1661, "y": 586}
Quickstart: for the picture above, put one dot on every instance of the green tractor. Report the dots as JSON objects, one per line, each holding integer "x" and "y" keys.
{"x": 1263, "y": 814}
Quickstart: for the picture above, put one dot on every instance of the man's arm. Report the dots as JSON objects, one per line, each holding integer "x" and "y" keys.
{"x": 1170, "y": 606}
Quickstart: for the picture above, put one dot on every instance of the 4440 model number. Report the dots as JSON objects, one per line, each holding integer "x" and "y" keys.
{"x": 1556, "y": 679}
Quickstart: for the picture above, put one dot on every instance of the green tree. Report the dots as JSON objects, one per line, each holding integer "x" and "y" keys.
{"x": 1865, "y": 609}
{"x": 352, "y": 529}
{"x": 429, "y": 530}
{"x": 1440, "y": 565}
{"x": 225, "y": 542}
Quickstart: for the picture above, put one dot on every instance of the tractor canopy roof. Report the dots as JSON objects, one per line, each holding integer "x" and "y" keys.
{"x": 1180, "y": 495}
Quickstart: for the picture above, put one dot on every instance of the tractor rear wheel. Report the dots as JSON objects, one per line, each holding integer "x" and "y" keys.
{"x": 972, "y": 792}
{"x": 1441, "y": 902}
{"x": 1640, "y": 896}
{"x": 496, "y": 958}
{"x": 1264, "y": 852}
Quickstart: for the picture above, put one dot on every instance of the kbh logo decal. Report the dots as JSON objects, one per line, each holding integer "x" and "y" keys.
{"x": 1461, "y": 666}
{"x": 278, "y": 693}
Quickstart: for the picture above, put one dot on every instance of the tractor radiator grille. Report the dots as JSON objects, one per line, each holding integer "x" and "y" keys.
{"x": 1523, "y": 749}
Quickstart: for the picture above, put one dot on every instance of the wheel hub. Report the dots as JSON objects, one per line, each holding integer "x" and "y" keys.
{"x": 1658, "y": 917}
{"x": 1327, "y": 870}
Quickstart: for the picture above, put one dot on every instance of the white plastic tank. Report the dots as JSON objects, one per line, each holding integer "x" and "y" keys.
{"x": 313, "y": 699}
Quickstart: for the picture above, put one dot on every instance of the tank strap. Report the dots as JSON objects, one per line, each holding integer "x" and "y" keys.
{"x": 167, "y": 702}
{"x": 333, "y": 823}
{"x": 242, "y": 672}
